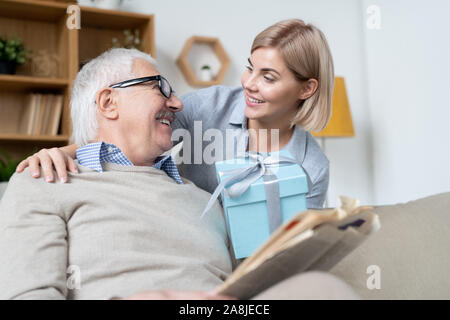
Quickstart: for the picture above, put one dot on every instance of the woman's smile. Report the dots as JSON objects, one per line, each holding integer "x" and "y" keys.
{"x": 253, "y": 102}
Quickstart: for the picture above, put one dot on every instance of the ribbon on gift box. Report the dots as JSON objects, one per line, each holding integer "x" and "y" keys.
{"x": 239, "y": 180}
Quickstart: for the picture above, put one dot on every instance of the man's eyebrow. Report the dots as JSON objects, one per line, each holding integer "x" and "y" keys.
{"x": 265, "y": 69}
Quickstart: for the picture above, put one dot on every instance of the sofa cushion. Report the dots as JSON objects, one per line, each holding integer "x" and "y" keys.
{"x": 411, "y": 249}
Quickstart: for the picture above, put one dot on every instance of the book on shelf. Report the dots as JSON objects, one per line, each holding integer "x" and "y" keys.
{"x": 46, "y": 115}
{"x": 41, "y": 114}
{"x": 27, "y": 119}
{"x": 55, "y": 115}
{"x": 42, "y": 106}
{"x": 311, "y": 240}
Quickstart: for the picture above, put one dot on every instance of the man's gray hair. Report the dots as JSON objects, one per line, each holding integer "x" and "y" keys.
{"x": 112, "y": 66}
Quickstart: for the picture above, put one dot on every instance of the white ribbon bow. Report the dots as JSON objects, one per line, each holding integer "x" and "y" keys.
{"x": 239, "y": 180}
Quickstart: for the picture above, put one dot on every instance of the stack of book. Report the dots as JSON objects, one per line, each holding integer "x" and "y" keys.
{"x": 41, "y": 114}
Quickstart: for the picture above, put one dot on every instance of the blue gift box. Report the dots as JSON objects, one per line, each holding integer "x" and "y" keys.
{"x": 247, "y": 215}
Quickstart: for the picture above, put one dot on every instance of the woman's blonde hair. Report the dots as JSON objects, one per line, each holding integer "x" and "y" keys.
{"x": 305, "y": 51}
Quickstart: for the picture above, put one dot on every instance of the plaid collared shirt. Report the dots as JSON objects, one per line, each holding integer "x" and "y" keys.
{"x": 94, "y": 154}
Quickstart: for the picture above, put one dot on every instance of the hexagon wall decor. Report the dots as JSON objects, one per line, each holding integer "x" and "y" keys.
{"x": 187, "y": 70}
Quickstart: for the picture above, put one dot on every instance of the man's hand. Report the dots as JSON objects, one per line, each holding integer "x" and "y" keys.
{"x": 178, "y": 295}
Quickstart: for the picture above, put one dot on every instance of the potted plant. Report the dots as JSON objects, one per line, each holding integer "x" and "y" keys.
{"x": 12, "y": 53}
{"x": 205, "y": 73}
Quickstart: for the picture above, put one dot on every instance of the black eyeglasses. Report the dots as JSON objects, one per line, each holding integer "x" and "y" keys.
{"x": 163, "y": 84}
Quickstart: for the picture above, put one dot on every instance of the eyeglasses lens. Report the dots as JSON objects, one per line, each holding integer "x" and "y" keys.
{"x": 165, "y": 88}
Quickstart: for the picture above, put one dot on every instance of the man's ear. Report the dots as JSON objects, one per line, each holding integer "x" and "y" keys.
{"x": 309, "y": 88}
{"x": 106, "y": 103}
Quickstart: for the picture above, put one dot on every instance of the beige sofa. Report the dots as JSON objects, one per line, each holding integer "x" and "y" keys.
{"x": 411, "y": 251}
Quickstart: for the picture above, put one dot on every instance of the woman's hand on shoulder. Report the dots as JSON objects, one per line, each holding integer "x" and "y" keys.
{"x": 47, "y": 159}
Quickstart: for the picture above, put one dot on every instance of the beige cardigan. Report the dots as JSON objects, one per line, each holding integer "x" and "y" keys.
{"x": 115, "y": 233}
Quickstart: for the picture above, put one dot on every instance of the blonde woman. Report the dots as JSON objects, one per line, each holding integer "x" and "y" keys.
{"x": 286, "y": 92}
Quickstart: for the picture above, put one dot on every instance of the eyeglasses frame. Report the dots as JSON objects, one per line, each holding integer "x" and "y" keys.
{"x": 132, "y": 82}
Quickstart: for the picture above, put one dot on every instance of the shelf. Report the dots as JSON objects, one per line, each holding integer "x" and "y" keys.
{"x": 52, "y": 11}
{"x": 23, "y": 137}
{"x": 218, "y": 50}
{"x": 33, "y": 10}
{"x": 113, "y": 19}
{"x": 20, "y": 82}
{"x": 100, "y": 26}
{"x": 41, "y": 24}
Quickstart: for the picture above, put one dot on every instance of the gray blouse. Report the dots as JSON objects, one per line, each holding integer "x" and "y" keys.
{"x": 213, "y": 127}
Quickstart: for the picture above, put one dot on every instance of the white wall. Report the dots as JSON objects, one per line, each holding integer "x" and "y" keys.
{"x": 408, "y": 71}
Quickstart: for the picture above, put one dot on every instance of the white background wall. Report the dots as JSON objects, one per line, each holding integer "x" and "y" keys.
{"x": 408, "y": 72}
{"x": 396, "y": 79}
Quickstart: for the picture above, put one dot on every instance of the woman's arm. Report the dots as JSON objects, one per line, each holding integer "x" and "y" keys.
{"x": 315, "y": 198}
{"x": 60, "y": 158}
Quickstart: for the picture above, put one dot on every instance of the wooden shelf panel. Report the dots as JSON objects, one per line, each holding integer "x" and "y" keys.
{"x": 33, "y": 10}
{"x": 112, "y": 19}
{"x": 52, "y": 11}
{"x": 100, "y": 26}
{"x": 23, "y": 137}
{"x": 19, "y": 82}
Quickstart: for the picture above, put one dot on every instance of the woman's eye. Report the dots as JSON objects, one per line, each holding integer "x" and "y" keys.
{"x": 249, "y": 68}
{"x": 269, "y": 79}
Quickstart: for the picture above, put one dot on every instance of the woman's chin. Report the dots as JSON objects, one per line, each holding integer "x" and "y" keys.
{"x": 251, "y": 113}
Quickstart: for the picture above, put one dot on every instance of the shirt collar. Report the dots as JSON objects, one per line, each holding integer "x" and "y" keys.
{"x": 94, "y": 154}
{"x": 167, "y": 164}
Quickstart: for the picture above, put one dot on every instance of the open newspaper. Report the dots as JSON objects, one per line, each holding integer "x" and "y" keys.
{"x": 311, "y": 240}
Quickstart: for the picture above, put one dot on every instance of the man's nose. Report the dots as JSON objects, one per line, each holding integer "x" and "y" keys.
{"x": 174, "y": 104}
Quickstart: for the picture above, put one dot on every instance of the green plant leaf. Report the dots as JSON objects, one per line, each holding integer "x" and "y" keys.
{"x": 13, "y": 50}
{"x": 7, "y": 165}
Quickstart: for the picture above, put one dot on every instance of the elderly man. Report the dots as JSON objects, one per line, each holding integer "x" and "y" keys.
{"x": 127, "y": 223}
